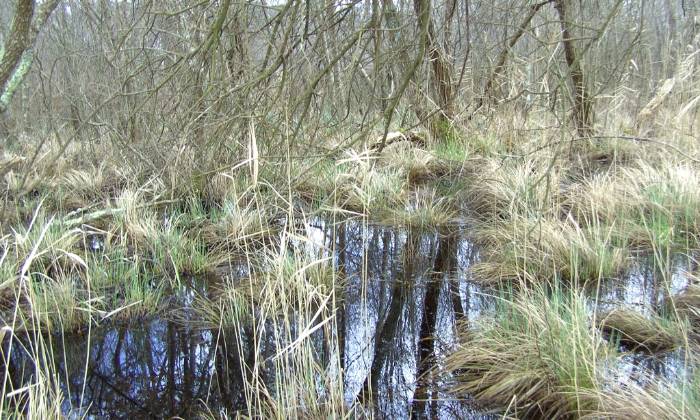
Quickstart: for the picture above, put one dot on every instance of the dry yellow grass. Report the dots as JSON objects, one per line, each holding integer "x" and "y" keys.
{"x": 535, "y": 357}
{"x": 547, "y": 248}
{"x": 642, "y": 333}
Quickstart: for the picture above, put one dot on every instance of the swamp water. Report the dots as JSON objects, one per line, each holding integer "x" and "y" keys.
{"x": 402, "y": 295}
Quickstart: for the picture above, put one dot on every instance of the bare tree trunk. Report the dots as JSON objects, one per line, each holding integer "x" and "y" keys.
{"x": 17, "y": 40}
{"x": 16, "y": 55}
{"x": 441, "y": 68}
{"x": 583, "y": 111}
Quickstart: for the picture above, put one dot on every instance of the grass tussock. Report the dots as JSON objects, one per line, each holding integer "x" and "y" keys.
{"x": 534, "y": 357}
{"x": 355, "y": 183}
{"x": 686, "y": 306}
{"x": 415, "y": 163}
{"x": 366, "y": 187}
{"x": 278, "y": 282}
{"x": 97, "y": 288}
{"x": 655, "y": 204}
{"x": 520, "y": 189}
{"x": 228, "y": 307}
{"x": 295, "y": 296}
{"x": 425, "y": 209}
{"x": 81, "y": 188}
{"x": 548, "y": 248}
{"x": 235, "y": 223}
{"x": 687, "y": 301}
{"x": 53, "y": 243}
{"x": 638, "y": 332}
{"x": 658, "y": 399}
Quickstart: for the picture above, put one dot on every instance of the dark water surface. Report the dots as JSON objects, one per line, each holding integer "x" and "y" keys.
{"x": 404, "y": 292}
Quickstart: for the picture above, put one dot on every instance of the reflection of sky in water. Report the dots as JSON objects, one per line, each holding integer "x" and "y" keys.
{"x": 162, "y": 368}
{"x": 646, "y": 369}
{"x": 644, "y": 287}
{"x": 384, "y": 308}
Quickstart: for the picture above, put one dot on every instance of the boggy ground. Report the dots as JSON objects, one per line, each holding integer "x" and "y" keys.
{"x": 557, "y": 221}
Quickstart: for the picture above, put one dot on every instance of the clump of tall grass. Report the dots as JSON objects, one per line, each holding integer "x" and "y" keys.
{"x": 685, "y": 305}
{"x": 547, "y": 248}
{"x": 181, "y": 176}
{"x": 416, "y": 165}
{"x": 602, "y": 198}
{"x": 102, "y": 287}
{"x": 642, "y": 333}
{"x": 687, "y": 302}
{"x": 355, "y": 183}
{"x": 424, "y": 209}
{"x": 294, "y": 307}
{"x": 40, "y": 272}
{"x": 366, "y": 187}
{"x": 54, "y": 242}
{"x": 607, "y": 153}
{"x": 453, "y": 150}
{"x": 653, "y": 398}
{"x": 294, "y": 275}
{"x": 79, "y": 188}
{"x": 317, "y": 179}
{"x": 654, "y": 204}
{"x": 235, "y": 223}
{"x": 419, "y": 165}
{"x": 136, "y": 224}
{"x": 228, "y": 307}
{"x": 124, "y": 287}
{"x": 515, "y": 189}
{"x": 668, "y": 199}
{"x": 176, "y": 251}
{"x": 168, "y": 241}
{"x": 59, "y": 304}
{"x": 534, "y": 357}
{"x": 20, "y": 182}
{"x": 40, "y": 396}
{"x": 490, "y": 141}
{"x": 224, "y": 186}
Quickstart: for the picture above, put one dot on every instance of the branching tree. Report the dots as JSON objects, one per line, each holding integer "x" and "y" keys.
{"x": 194, "y": 77}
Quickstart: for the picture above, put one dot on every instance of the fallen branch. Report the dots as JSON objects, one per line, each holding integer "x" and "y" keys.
{"x": 629, "y": 138}
{"x": 95, "y": 215}
{"x": 397, "y": 136}
{"x": 10, "y": 162}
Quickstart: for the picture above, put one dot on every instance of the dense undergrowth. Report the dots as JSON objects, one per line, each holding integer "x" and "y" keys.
{"x": 86, "y": 244}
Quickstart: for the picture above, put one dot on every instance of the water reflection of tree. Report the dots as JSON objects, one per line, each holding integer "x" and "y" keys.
{"x": 341, "y": 235}
{"x": 154, "y": 369}
{"x": 236, "y": 356}
{"x": 444, "y": 264}
{"x": 390, "y": 304}
{"x": 161, "y": 369}
{"x": 398, "y": 323}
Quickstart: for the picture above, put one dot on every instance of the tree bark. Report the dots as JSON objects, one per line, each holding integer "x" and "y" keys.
{"x": 17, "y": 40}
{"x": 583, "y": 109}
{"x": 16, "y": 55}
{"x": 441, "y": 68}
